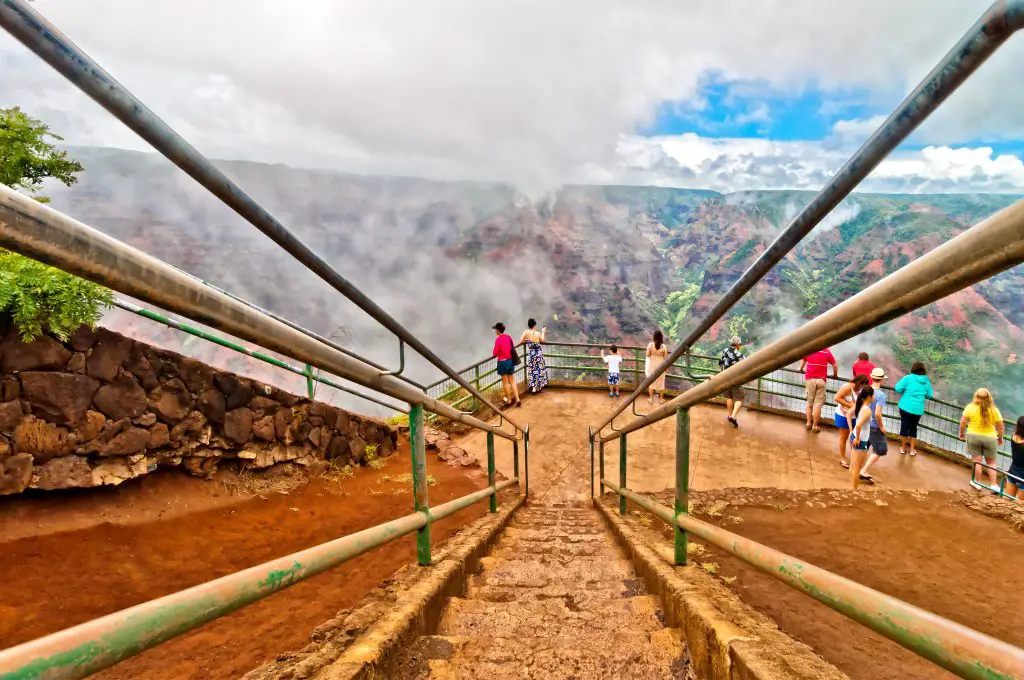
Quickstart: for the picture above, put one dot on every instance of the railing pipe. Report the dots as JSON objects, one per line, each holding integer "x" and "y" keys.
{"x": 622, "y": 473}
{"x": 315, "y": 336}
{"x": 953, "y": 646}
{"x": 39, "y": 35}
{"x": 682, "y": 499}
{"x": 1002, "y": 19}
{"x": 493, "y": 504}
{"x": 85, "y": 649}
{"x": 418, "y": 451}
{"x": 44, "y": 234}
{"x": 200, "y": 333}
{"x": 451, "y": 507}
{"x": 989, "y": 247}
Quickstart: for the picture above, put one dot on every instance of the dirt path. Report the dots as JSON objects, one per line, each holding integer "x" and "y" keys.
{"x": 930, "y": 552}
{"x": 59, "y": 579}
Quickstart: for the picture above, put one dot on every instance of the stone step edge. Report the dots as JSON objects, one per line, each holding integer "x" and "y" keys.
{"x": 727, "y": 638}
{"x": 364, "y": 643}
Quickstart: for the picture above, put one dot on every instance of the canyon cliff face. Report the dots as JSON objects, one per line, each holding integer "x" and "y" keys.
{"x": 592, "y": 263}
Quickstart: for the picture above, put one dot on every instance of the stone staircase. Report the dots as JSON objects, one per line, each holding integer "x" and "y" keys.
{"x": 556, "y": 599}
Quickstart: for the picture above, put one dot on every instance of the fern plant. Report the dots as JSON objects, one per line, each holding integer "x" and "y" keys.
{"x": 45, "y": 299}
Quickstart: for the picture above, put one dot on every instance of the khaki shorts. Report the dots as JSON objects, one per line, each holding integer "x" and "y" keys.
{"x": 816, "y": 392}
{"x": 982, "y": 445}
{"x": 736, "y": 394}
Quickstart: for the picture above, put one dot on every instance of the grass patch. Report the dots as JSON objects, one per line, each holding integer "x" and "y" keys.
{"x": 695, "y": 549}
{"x": 1016, "y": 522}
{"x": 735, "y": 519}
{"x": 710, "y": 567}
{"x": 400, "y": 420}
{"x": 406, "y": 478}
{"x": 779, "y": 507}
{"x": 377, "y": 463}
{"x": 262, "y": 483}
{"x": 716, "y": 509}
{"x": 728, "y": 580}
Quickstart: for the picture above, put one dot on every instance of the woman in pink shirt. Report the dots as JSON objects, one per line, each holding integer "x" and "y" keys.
{"x": 503, "y": 349}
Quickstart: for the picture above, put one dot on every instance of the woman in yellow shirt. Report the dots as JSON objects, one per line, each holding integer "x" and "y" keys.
{"x": 984, "y": 427}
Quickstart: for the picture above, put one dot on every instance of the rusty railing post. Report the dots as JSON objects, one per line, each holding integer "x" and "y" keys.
{"x": 418, "y": 447}
{"x": 682, "y": 480}
{"x": 600, "y": 455}
{"x": 493, "y": 502}
{"x": 622, "y": 473}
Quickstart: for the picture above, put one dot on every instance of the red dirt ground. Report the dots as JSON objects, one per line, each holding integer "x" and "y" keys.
{"x": 63, "y": 578}
{"x": 933, "y": 553}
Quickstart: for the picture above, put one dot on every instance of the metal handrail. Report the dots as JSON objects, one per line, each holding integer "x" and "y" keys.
{"x": 315, "y": 336}
{"x": 953, "y": 646}
{"x": 46, "y": 235}
{"x": 200, "y": 333}
{"x": 39, "y": 35}
{"x": 82, "y": 650}
{"x": 995, "y": 27}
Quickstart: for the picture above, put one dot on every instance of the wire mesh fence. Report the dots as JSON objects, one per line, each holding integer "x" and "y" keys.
{"x": 580, "y": 364}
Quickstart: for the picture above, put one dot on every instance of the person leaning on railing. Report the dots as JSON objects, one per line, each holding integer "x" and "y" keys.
{"x": 983, "y": 425}
{"x": 815, "y": 369}
{"x": 913, "y": 389}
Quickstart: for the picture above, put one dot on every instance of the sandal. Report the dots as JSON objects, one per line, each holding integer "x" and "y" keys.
{"x": 815, "y": 429}
{"x": 867, "y": 479}
{"x": 913, "y": 452}
{"x": 845, "y": 464}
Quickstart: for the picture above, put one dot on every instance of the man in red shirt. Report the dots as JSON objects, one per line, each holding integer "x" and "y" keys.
{"x": 862, "y": 366}
{"x": 816, "y": 377}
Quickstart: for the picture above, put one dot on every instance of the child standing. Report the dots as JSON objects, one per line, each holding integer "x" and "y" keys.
{"x": 613, "y": 359}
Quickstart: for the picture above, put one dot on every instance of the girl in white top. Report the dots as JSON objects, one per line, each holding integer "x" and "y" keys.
{"x": 846, "y": 399}
{"x": 861, "y": 427}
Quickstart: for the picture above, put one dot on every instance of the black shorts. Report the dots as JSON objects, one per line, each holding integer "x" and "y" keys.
{"x": 879, "y": 444}
{"x": 908, "y": 424}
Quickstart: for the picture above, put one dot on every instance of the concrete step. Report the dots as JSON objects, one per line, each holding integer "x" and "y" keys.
{"x": 600, "y": 622}
{"x": 543, "y": 570}
{"x": 487, "y": 658}
{"x": 582, "y": 594}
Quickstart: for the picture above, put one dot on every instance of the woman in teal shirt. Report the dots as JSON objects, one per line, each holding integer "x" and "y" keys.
{"x": 913, "y": 390}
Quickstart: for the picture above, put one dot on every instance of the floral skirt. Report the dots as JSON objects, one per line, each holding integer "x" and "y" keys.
{"x": 536, "y": 367}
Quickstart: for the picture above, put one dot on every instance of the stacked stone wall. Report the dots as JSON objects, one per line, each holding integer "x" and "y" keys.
{"x": 102, "y": 408}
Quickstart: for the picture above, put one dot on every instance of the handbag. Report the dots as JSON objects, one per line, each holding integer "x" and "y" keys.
{"x": 516, "y": 360}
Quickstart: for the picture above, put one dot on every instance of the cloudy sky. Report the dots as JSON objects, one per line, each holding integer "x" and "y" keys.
{"x": 723, "y": 95}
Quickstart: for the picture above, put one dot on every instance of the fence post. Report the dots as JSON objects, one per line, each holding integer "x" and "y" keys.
{"x": 759, "y": 391}
{"x": 622, "y": 473}
{"x": 310, "y": 385}
{"x": 419, "y": 480}
{"x": 476, "y": 384}
{"x": 682, "y": 479}
{"x": 600, "y": 455}
{"x": 493, "y": 503}
{"x": 526, "y": 462}
{"x": 637, "y": 371}
{"x": 515, "y": 459}
{"x": 590, "y": 436}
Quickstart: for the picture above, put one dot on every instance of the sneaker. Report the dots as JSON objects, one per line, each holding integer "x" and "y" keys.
{"x": 977, "y": 486}
{"x": 734, "y": 422}
{"x": 611, "y": 394}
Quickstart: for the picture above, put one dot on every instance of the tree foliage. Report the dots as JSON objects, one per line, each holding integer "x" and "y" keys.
{"x": 27, "y": 157}
{"x": 811, "y": 285}
{"x": 40, "y": 298}
{"x": 677, "y": 306}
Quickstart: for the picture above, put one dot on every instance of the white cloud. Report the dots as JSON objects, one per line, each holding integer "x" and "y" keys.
{"x": 858, "y": 129}
{"x": 690, "y": 160}
{"x": 530, "y": 91}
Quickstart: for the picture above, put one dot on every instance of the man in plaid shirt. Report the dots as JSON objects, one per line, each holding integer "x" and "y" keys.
{"x": 734, "y": 397}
